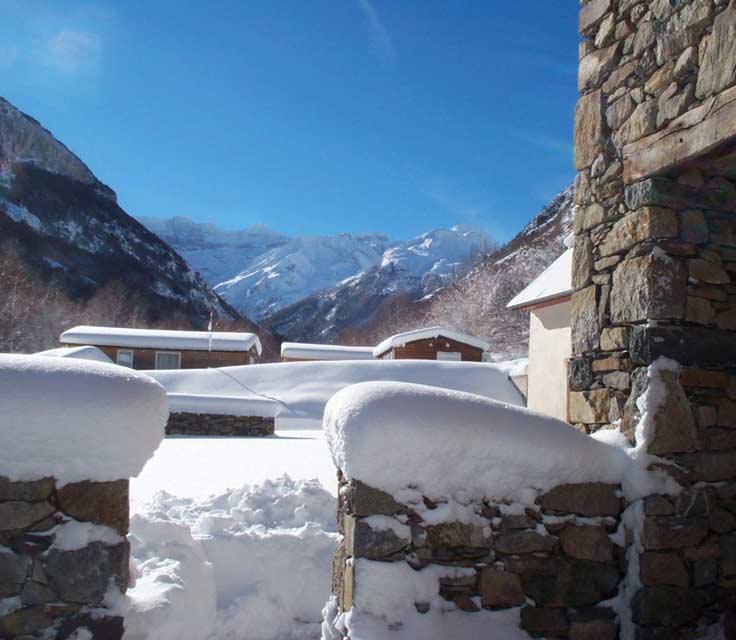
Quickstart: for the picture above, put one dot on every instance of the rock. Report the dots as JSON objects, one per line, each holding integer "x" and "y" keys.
{"x": 589, "y": 407}
{"x": 582, "y": 262}
{"x": 727, "y": 320}
{"x": 587, "y": 218}
{"x": 728, "y": 554}
{"x": 590, "y": 499}
{"x": 31, "y": 491}
{"x": 580, "y": 374}
{"x": 614, "y": 338}
{"x": 617, "y": 380}
{"x": 37, "y": 593}
{"x": 100, "y": 502}
{"x": 27, "y": 620}
{"x": 641, "y": 123}
{"x": 716, "y": 466}
{"x": 658, "y": 506}
{"x": 699, "y": 311}
{"x": 524, "y": 542}
{"x": 363, "y": 541}
{"x": 13, "y": 572}
{"x": 591, "y": 15}
{"x": 674, "y": 102}
{"x": 457, "y": 534}
{"x": 705, "y": 271}
{"x": 501, "y": 588}
{"x": 665, "y": 606}
{"x": 705, "y": 572}
{"x": 542, "y": 622}
{"x": 663, "y": 569}
{"x": 589, "y": 129}
{"x": 717, "y": 70}
{"x": 593, "y": 630}
{"x": 21, "y": 515}
{"x": 363, "y": 500}
{"x": 639, "y": 226}
{"x": 692, "y": 346}
{"x": 722, "y": 521}
{"x": 512, "y": 522}
{"x": 649, "y": 287}
{"x": 661, "y": 192}
{"x": 673, "y": 532}
{"x": 587, "y": 543}
{"x": 83, "y": 575}
{"x": 619, "y": 111}
{"x": 584, "y": 320}
{"x": 595, "y": 67}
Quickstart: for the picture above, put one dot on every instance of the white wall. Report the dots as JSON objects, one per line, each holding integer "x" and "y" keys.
{"x": 550, "y": 346}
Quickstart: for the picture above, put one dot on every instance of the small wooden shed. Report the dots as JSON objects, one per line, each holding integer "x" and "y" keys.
{"x": 164, "y": 349}
{"x": 432, "y": 343}
{"x": 305, "y": 352}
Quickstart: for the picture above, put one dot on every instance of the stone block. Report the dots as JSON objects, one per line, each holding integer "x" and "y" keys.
{"x": 665, "y": 606}
{"x": 589, "y": 129}
{"x": 587, "y": 543}
{"x": 582, "y": 262}
{"x": 25, "y": 622}
{"x": 693, "y": 226}
{"x": 100, "y": 502}
{"x": 13, "y": 572}
{"x": 541, "y": 622}
{"x": 595, "y": 67}
{"x": 524, "y": 542}
{"x": 699, "y": 311}
{"x": 707, "y": 272}
{"x": 727, "y": 545}
{"x": 663, "y": 569}
{"x": 585, "y": 320}
{"x": 362, "y": 540}
{"x": 587, "y": 218}
{"x": 700, "y": 346}
{"x": 649, "y": 287}
{"x": 593, "y": 630}
{"x": 22, "y": 515}
{"x": 579, "y": 374}
{"x": 641, "y": 123}
{"x": 638, "y": 226}
{"x": 589, "y": 407}
{"x": 31, "y": 491}
{"x": 363, "y": 500}
{"x": 673, "y": 532}
{"x": 591, "y": 15}
{"x": 500, "y": 588}
{"x": 614, "y": 338}
{"x": 661, "y": 192}
{"x": 457, "y": 534}
{"x": 589, "y": 499}
{"x": 717, "y": 71}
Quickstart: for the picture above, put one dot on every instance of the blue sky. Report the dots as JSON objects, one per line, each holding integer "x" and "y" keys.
{"x": 317, "y": 116}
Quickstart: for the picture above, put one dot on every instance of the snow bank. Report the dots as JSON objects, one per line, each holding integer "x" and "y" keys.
{"x": 82, "y": 353}
{"x": 223, "y": 405}
{"x": 393, "y": 436}
{"x": 76, "y": 420}
{"x": 400, "y": 339}
{"x": 300, "y": 390}
{"x": 251, "y": 563}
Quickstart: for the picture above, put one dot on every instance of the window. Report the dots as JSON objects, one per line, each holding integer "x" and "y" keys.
{"x": 125, "y": 358}
{"x": 454, "y": 356}
{"x": 168, "y": 360}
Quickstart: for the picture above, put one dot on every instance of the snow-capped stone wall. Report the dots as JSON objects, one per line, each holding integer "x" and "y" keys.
{"x": 654, "y": 306}
{"x": 213, "y": 424}
{"x": 72, "y": 433}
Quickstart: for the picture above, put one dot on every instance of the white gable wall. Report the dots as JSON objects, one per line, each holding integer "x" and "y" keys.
{"x": 550, "y": 347}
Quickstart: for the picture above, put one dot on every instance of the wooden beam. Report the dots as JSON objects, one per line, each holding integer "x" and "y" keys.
{"x": 693, "y": 134}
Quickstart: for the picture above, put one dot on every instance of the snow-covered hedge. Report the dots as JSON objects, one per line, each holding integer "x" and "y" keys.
{"x": 397, "y": 437}
{"x": 76, "y": 420}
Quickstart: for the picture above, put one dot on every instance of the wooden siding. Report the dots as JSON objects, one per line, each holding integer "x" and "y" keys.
{"x": 146, "y": 358}
{"x": 427, "y": 350}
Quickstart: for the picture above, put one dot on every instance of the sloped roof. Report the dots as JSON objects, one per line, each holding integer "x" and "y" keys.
{"x": 305, "y": 351}
{"x": 162, "y": 339}
{"x": 400, "y": 339}
{"x": 554, "y": 282}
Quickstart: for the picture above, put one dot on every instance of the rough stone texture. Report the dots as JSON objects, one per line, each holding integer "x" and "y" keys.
{"x": 501, "y": 588}
{"x": 53, "y": 589}
{"x": 593, "y": 499}
{"x": 589, "y": 129}
{"x": 210, "y": 424}
{"x": 587, "y": 543}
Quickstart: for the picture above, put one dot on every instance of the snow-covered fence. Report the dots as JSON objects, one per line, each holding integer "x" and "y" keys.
{"x": 71, "y": 435}
{"x": 464, "y": 517}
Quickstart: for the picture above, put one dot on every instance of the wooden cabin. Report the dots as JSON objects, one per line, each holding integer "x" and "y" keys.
{"x": 433, "y": 343}
{"x": 162, "y": 349}
{"x": 547, "y": 299}
{"x": 305, "y": 352}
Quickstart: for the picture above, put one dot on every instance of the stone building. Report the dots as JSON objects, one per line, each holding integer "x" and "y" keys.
{"x": 149, "y": 349}
{"x": 432, "y": 343}
{"x": 547, "y": 299}
{"x": 654, "y": 276}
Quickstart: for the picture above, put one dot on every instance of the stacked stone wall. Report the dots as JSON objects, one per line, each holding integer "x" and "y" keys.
{"x": 57, "y": 590}
{"x": 654, "y": 276}
{"x": 210, "y": 424}
{"x": 554, "y": 560}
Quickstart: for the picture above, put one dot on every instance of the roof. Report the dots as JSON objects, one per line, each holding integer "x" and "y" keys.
{"x": 162, "y": 339}
{"x": 400, "y": 339}
{"x": 554, "y": 282}
{"x": 304, "y": 351}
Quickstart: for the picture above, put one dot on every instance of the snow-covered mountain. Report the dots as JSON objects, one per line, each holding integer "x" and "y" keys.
{"x": 67, "y": 226}
{"x": 261, "y": 272}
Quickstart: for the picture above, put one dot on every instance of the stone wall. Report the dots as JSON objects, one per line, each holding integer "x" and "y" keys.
{"x": 63, "y": 558}
{"x": 654, "y": 276}
{"x": 211, "y": 424}
{"x": 555, "y": 560}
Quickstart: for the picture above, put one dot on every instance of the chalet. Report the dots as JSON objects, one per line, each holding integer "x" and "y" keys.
{"x": 161, "y": 349}
{"x": 433, "y": 343}
{"x": 547, "y": 299}
{"x": 298, "y": 351}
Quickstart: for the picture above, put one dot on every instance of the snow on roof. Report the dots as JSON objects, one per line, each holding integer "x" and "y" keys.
{"x": 82, "y": 353}
{"x": 162, "y": 339}
{"x": 394, "y": 436}
{"x": 301, "y": 389}
{"x": 400, "y": 339}
{"x": 304, "y": 351}
{"x": 76, "y": 419}
{"x": 554, "y": 282}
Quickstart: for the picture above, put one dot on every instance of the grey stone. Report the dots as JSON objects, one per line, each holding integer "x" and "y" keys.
{"x": 524, "y": 542}
{"x": 705, "y": 572}
{"x": 614, "y": 338}
{"x": 586, "y": 543}
{"x": 589, "y": 499}
{"x": 584, "y": 319}
{"x": 582, "y": 262}
{"x": 363, "y": 500}
{"x": 37, "y": 593}
{"x": 580, "y": 374}
{"x": 21, "y": 515}
{"x": 660, "y": 192}
{"x": 27, "y": 620}
{"x": 688, "y": 346}
{"x": 589, "y": 129}
{"x": 663, "y": 569}
{"x": 673, "y": 532}
{"x": 592, "y": 13}
{"x": 589, "y": 407}
{"x": 457, "y": 534}
{"x": 364, "y": 541}
{"x": 541, "y": 621}
{"x": 717, "y": 69}
{"x": 665, "y": 606}
{"x": 83, "y": 575}
{"x": 500, "y": 588}
{"x": 642, "y": 122}
{"x": 100, "y": 502}
{"x": 596, "y": 66}
{"x": 31, "y": 491}
{"x": 13, "y": 572}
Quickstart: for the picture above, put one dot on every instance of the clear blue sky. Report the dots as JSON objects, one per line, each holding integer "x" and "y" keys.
{"x": 311, "y": 116}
